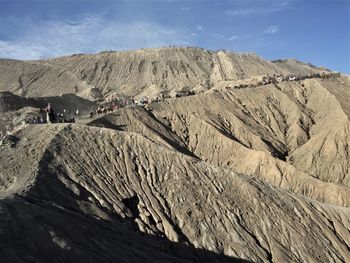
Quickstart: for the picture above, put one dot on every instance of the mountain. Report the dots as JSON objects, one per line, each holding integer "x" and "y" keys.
{"x": 131, "y": 73}
{"x": 254, "y": 167}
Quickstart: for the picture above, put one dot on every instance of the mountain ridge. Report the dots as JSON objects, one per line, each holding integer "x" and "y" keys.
{"x": 169, "y": 69}
{"x": 238, "y": 160}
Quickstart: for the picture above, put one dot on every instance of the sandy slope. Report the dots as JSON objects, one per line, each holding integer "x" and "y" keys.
{"x": 101, "y": 173}
{"x": 284, "y": 134}
{"x": 131, "y": 73}
{"x": 258, "y": 173}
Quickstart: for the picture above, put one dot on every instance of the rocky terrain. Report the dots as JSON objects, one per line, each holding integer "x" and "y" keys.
{"x": 132, "y": 73}
{"x": 244, "y": 170}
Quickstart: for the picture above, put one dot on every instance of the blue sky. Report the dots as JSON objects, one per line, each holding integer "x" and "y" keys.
{"x": 312, "y": 31}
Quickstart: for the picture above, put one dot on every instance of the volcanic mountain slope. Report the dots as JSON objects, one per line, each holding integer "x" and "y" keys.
{"x": 252, "y": 173}
{"x": 293, "y": 135}
{"x": 36, "y": 78}
{"x": 78, "y": 190}
{"x": 129, "y": 73}
{"x": 203, "y": 182}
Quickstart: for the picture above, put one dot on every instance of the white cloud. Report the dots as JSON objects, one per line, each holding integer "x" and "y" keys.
{"x": 233, "y": 38}
{"x": 20, "y": 50}
{"x": 241, "y": 12}
{"x": 271, "y": 30}
{"x": 241, "y": 38}
{"x": 88, "y": 35}
{"x": 284, "y": 3}
{"x": 185, "y": 9}
{"x": 265, "y": 8}
{"x": 219, "y": 35}
{"x": 199, "y": 28}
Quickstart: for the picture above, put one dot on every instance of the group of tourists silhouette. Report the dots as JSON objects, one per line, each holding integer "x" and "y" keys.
{"x": 68, "y": 117}
{"x": 48, "y": 114}
{"x": 122, "y": 103}
{"x": 274, "y": 79}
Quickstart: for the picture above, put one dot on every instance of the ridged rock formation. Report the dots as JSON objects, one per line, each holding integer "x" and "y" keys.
{"x": 130, "y": 73}
{"x": 244, "y": 172}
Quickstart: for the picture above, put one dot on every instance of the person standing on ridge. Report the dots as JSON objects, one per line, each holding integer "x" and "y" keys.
{"x": 50, "y": 115}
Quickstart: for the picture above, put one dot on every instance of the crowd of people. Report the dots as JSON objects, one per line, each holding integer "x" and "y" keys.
{"x": 48, "y": 115}
{"x": 121, "y": 103}
{"x": 67, "y": 117}
{"x": 274, "y": 79}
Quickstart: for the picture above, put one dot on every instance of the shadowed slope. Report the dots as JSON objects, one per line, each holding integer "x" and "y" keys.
{"x": 93, "y": 171}
{"x": 38, "y": 231}
{"x": 16, "y": 109}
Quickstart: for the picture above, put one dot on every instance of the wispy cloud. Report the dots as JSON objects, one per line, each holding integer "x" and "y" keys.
{"x": 199, "y": 28}
{"x": 20, "y": 50}
{"x": 283, "y": 3}
{"x": 233, "y": 38}
{"x": 88, "y": 35}
{"x": 185, "y": 9}
{"x": 218, "y": 35}
{"x": 271, "y": 30}
{"x": 242, "y": 12}
{"x": 241, "y": 38}
{"x": 263, "y": 8}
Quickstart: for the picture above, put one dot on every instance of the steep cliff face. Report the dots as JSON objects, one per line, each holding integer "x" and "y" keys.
{"x": 130, "y": 73}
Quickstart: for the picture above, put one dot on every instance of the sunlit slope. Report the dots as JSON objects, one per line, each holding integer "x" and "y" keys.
{"x": 294, "y": 135}
{"x": 129, "y": 73}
